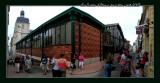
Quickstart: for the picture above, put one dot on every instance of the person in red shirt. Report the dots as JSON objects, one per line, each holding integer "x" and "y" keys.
{"x": 81, "y": 61}
{"x": 143, "y": 60}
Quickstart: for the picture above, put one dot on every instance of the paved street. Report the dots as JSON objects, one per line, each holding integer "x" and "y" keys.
{"x": 90, "y": 71}
{"x": 94, "y": 70}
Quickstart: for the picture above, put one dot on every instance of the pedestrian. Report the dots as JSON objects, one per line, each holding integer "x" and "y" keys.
{"x": 17, "y": 63}
{"x": 48, "y": 64}
{"x": 28, "y": 63}
{"x": 143, "y": 61}
{"x": 128, "y": 67}
{"x": 81, "y": 61}
{"x": 137, "y": 71}
{"x": 137, "y": 56}
{"x": 22, "y": 63}
{"x": 44, "y": 61}
{"x": 123, "y": 59}
{"x": 53, "y": 61}
{"x": 55, "y": 68}
{"x": 107, "y": 66}
{"x": 123, "y": 64}
{"x": 73, "y": 64}
{"x": 62, "y": 64}
{"x": 119, "y": 58}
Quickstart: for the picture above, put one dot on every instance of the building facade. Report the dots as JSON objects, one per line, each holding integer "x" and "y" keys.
{"x": 147, "y": 35}
{"x": 7, "y": 38}
{"x": 127, "y": 44}
{"x": 149, "y": 38}
{"x": 72, "y": 32}
{"x": 21, "y": 29}
{"x": 113, "y": 38}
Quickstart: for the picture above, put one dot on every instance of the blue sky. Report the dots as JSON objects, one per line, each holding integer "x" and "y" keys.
{"x": 127, "y": 17}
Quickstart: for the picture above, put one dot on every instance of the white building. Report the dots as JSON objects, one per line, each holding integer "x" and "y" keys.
{"x": 21, "y": 29}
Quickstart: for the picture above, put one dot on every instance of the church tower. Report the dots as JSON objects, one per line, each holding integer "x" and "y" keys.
{"x": 21, "y": 29}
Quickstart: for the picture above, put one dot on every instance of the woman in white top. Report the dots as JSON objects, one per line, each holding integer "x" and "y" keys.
{"x": 48, "y": 63}
{"x": 55, "y": 68}
{"x": 28, "y": 63}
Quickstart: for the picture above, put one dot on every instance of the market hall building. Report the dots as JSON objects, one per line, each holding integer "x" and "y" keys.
{"x": 71, "y": 32}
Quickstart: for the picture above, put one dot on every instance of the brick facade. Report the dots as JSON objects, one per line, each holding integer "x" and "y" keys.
{"x": 57, "y": 50}
{"x": 90, "y": 40}
{"x": 50, "y": 51}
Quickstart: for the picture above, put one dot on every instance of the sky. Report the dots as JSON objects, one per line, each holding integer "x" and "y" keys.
{"x": 127, "y": 17}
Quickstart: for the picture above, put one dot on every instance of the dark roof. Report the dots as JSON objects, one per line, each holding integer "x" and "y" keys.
{"x": 65, "y": 13}
{"x": 22, "y": 20}
{"x": 119, "y": 28}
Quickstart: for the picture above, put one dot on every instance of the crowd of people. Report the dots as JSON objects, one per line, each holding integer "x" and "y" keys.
{"x": 58, "y": 66}
{"x": 23, "y": 63}
{"x": 141, "y": 60}
{"x": 128, "y": 64}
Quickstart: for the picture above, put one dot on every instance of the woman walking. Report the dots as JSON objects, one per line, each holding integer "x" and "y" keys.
{"x": 17, "y": 63}
{"x": 107, "y": 65}
{"x": 44, "y": 61}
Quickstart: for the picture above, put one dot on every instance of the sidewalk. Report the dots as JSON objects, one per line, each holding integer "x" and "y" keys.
{"x": 91, "y": 70}
{"x": 96, "y": 67}
{"x": 88, "y": 69}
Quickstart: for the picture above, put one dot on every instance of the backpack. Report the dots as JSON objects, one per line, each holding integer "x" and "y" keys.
{"x": 62, "y": 65}
{"x": 44, "y": 61}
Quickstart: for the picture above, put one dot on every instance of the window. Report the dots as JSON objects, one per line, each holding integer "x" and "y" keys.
{"x": 20, "y": 45}
{"x": 68, "y": 33}
{"x": 43, "y": 39}
{"x": 46, "y": 39}
{"x": 53, "y": 36}
{"x": 28, "y": 43}
{"x": 58, "y": 35}
{"x": 63, "y": 34}
{"x": 34, "y": 42}
{"x": 50, "y": 37}
{"x": 40, "y": 39}
{"x": 23, "y": 44}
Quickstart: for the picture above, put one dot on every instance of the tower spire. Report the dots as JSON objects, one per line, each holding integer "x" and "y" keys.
{"x": 22, "y": 13}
